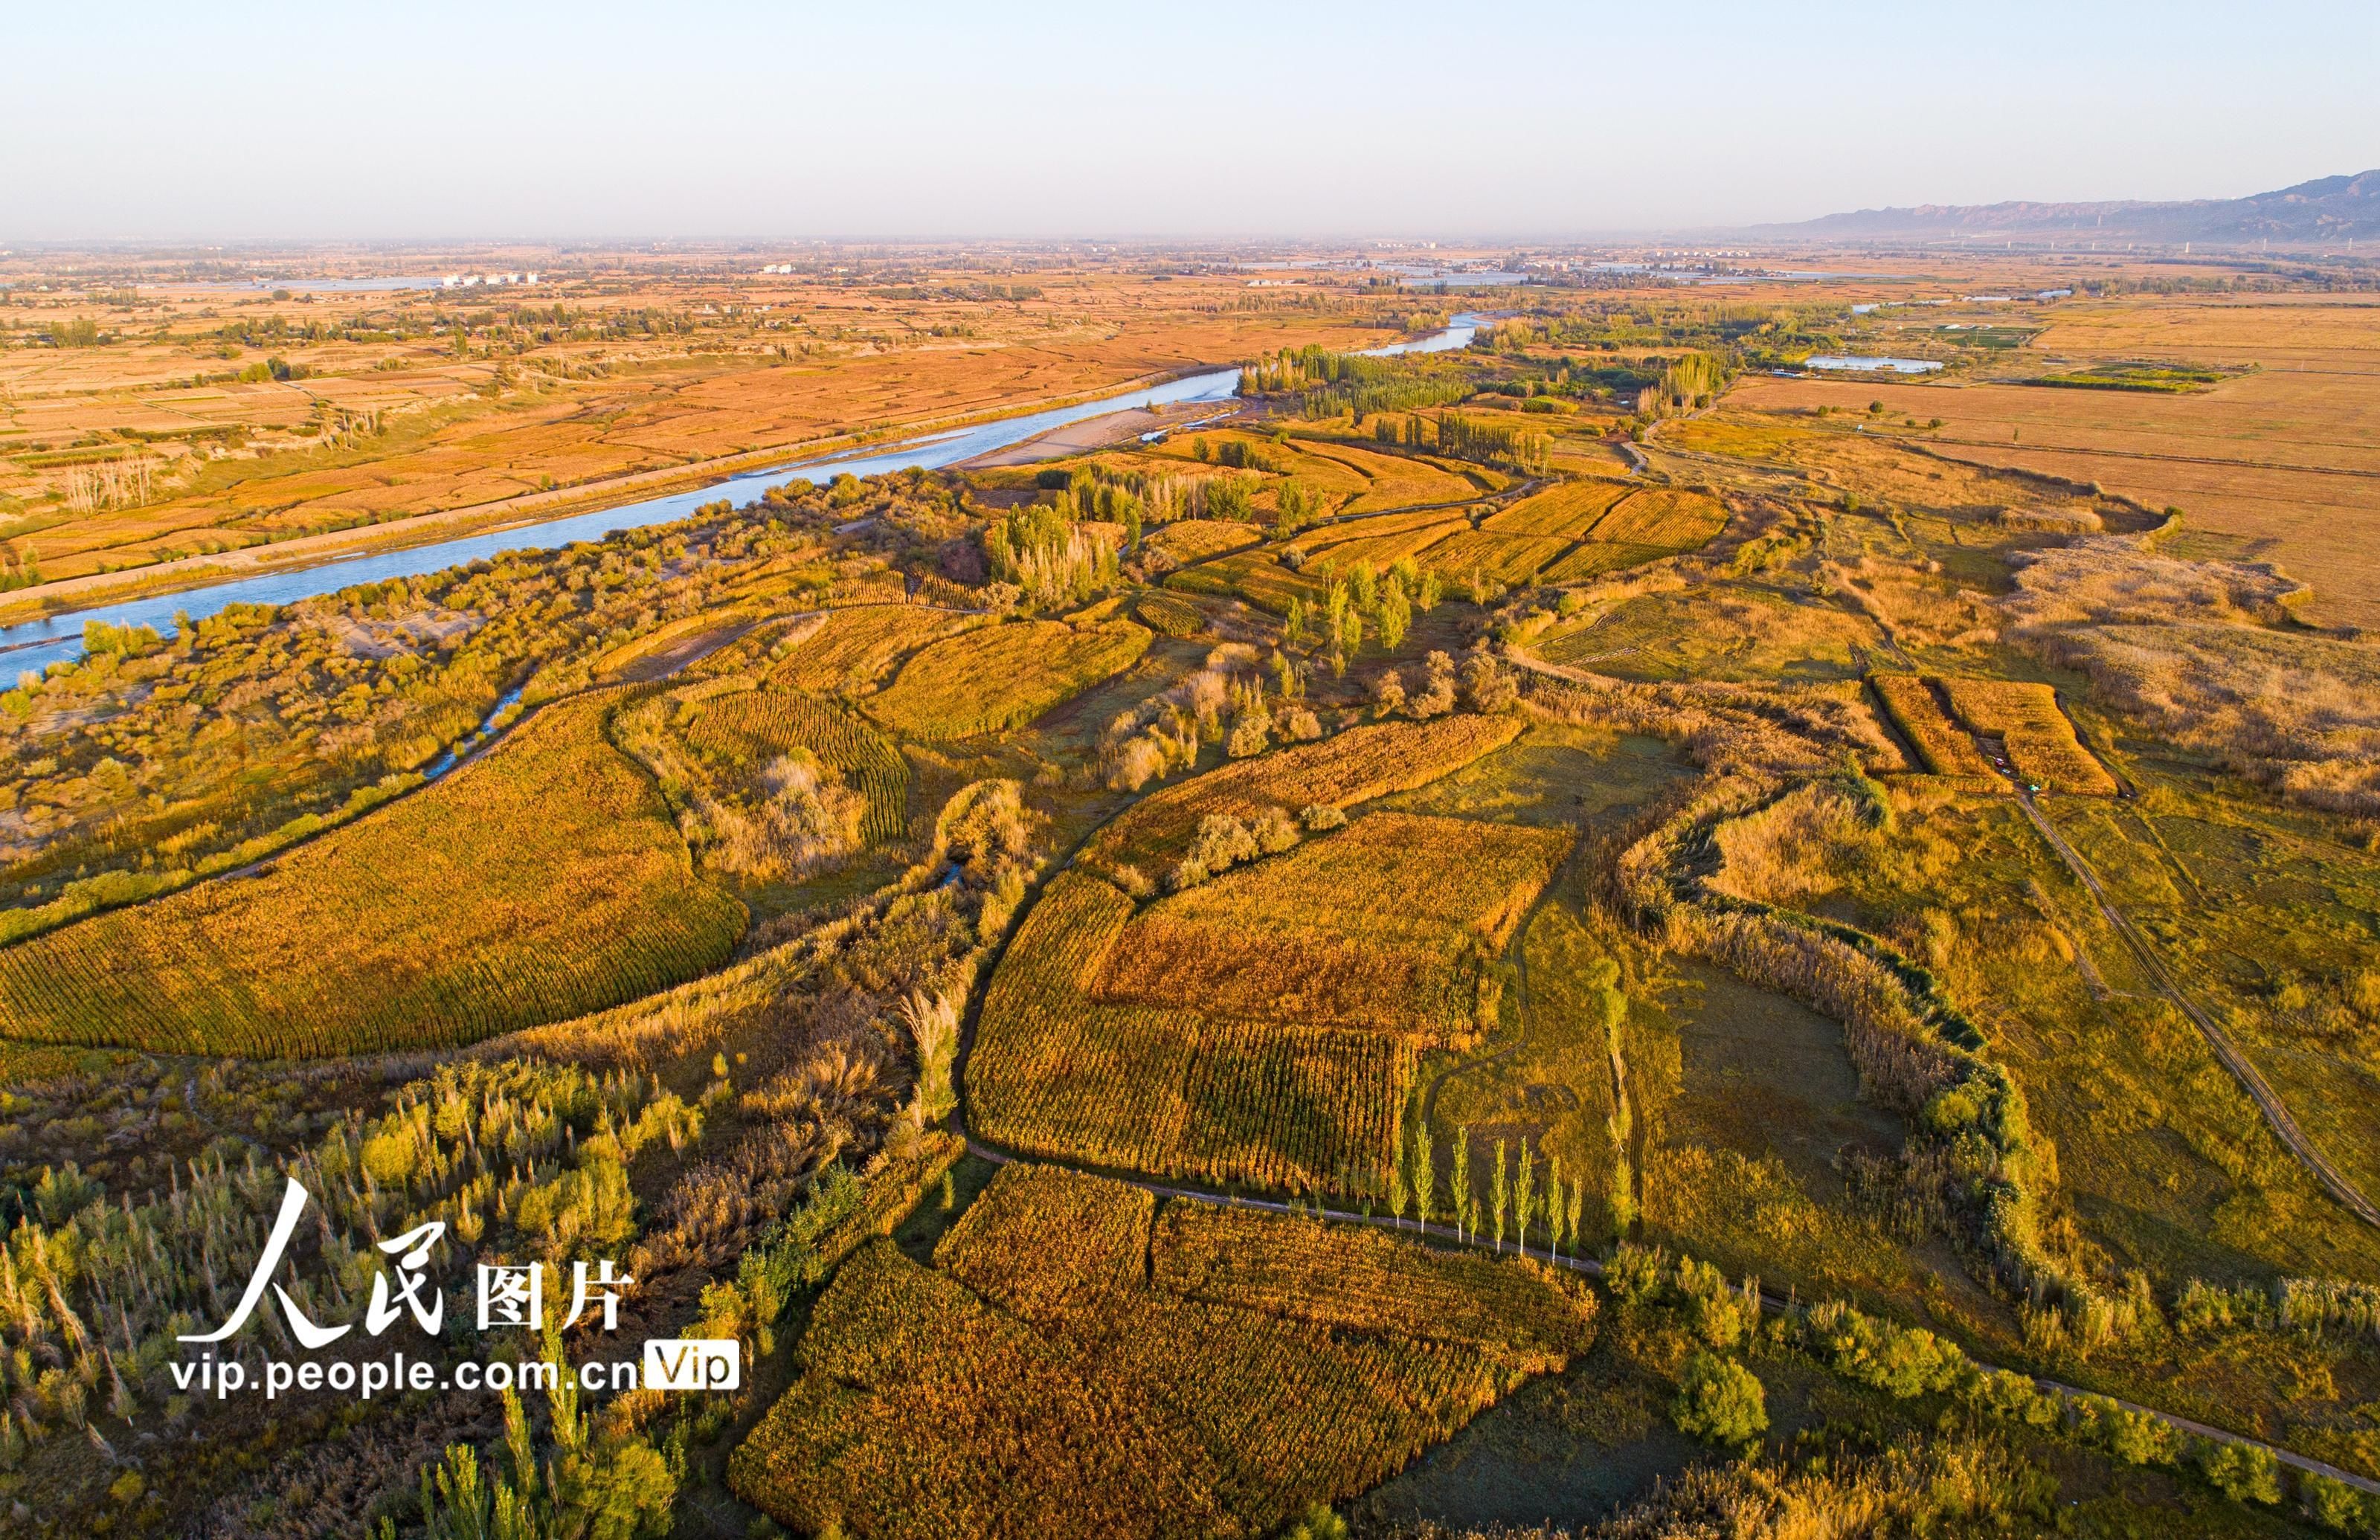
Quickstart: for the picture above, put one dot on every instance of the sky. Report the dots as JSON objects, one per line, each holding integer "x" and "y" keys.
{"x": 709, "y": 120}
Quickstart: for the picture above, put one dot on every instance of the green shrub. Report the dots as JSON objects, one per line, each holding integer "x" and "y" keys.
{"x": 2240, "y": 1472}
{"x": 1720, "y": 1400}
{"x": 2336, "y": 1506}
{"x": 1902, "y": 1361}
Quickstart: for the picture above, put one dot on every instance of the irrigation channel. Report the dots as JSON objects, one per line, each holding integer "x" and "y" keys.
{"x": 33, "y": 645}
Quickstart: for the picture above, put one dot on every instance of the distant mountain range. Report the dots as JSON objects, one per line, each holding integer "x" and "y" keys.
{"x": 2329, "y": 209}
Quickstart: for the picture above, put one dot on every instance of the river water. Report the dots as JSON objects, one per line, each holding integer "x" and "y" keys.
{"x": 36, "y": 644}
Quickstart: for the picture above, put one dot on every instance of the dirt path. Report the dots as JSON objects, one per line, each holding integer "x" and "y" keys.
{"x": 2277, "y": 1113}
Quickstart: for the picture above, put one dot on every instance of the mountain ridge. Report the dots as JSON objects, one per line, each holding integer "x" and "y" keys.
{"x": 2325, "y": 209}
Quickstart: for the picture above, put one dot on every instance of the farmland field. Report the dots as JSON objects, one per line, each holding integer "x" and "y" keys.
{"x": 1260, "y": 1028}
{"x": 1364, "y": 928}
{"x": 1569, "y": 510}
{"x": 1195, "y": 539}
{"x": 1353, "y": 766}
{"x": 540, "y": 881}
{"x": 2040, "y": 739}
{"x": 744, "y": 730}
{"x": 1660, "y": 517}
{"x": 1918, "y": 711}
{"x": 852, "y": 648}
{"x": 1392, "y": 481}
{"x": 1257, "y": 576}
{"x": 1166, "y": 1088}
{"x": 1207, "y": 1396}
{"x": 1003, "y": 676}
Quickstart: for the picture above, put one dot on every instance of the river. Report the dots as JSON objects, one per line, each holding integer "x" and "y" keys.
{"x": 36, "y": 644}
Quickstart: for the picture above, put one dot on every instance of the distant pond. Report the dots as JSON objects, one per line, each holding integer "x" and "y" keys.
{"x": 1872, "y": 366}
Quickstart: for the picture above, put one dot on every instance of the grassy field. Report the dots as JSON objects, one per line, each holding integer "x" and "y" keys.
{"x": 1076, "y": 1363}
{"x": 2267, "y": 464}
{"x": 1001, "y": 677}
{"x": 540, "y": 881}
{"x": 1745, "y": 632}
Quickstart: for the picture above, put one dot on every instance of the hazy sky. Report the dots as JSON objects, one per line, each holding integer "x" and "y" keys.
{"x": 706, "y": 119}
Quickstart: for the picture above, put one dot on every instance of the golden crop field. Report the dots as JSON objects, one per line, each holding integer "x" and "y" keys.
{"x": 1036, "y": 1382}
{"x": 1169, "y": 614}
{"x": 1390, "y": 480}
{"x": 1570, "y": 510}
{"x": 1668, "y": 518}
{"x": 1362, "y": 541}
{"x": 1263, "y": 579}
{"x": 1339, "y": 772}
{"x": 1592, "y": 558}
{"x": 1324, "y": 541}
{"x": 997, "y": 677}
{"x": 851, "y": 648}
{"x": 1354, "y": 1279}
{"x": 1195, "y": 539}
{"x": 1509, "y": 559}
{"x": 2040, "y": 737}
{"x": 742, "y": 730}
{"x": 541, "y": 880}
{"x": 1261, "y": 1028}
{"x": 1257, "y": 576}
{"x": 1379, "y": 925}
{"x": 1057, "y": 1073}
{"x": 1941, "y": 743}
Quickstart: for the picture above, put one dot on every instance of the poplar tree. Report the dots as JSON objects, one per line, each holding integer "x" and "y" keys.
{"x": 1554, "y": 1201}
{"x": 1425, "y": 1173}
{"x": 1499, "y": 1194}
{"x": 1524, "y": 1195}
{"x": 1462, "y": 1195}
{"x": 1396, "y": 613}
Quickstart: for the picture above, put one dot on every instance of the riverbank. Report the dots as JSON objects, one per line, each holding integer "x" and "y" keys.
{"x": 525, "y": 510}
{"x": 1098, "y": 432}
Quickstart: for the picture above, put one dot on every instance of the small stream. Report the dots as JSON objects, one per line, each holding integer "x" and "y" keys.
{"x": 496, "y": 723}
